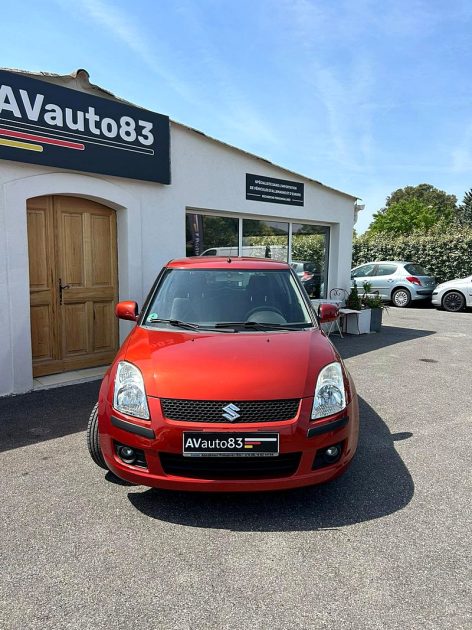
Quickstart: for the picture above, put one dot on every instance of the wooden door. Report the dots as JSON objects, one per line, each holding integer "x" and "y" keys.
{"x": 73, "y": 283}
{"x": 44, "y": 307}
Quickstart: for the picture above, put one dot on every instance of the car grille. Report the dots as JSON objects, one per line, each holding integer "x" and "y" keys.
{"x": 213, "y": 410}
{"x": 283, "y": 465}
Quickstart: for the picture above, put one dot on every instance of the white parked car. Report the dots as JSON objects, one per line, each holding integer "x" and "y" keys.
{"x": 454, "y": 295}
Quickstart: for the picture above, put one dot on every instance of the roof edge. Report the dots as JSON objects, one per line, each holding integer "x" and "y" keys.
{"x": 262, "y": 159}
{"x": 82, "y": 79}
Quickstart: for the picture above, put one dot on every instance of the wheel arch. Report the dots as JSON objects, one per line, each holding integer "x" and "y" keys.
{"x": 399, "y": 288}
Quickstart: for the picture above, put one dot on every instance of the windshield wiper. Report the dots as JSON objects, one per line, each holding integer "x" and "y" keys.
{"x": 257, "y": 326}
{"x": 173, "y": 322}
{"x": 233, "y": 325}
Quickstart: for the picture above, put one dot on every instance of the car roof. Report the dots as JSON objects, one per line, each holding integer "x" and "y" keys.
{"x": 226, "y": 262}
{"x": 387, "y": 262}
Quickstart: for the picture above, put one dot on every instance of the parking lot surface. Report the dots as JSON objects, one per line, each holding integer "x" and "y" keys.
{"x": 385, "y": 546}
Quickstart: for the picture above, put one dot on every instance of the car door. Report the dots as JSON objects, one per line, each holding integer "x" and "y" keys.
{"x": 384, "y": 279}
{"x": 364, "y": 273}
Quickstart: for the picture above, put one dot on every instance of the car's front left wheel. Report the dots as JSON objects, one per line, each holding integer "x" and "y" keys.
{"x": 93, "y": 439}
{"x": 453, "y": 301}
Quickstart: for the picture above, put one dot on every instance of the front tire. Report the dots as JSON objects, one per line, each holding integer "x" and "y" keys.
{"x": 453, "y": 302}
{"x": 401, "y": 298}
{"x": 93, "y": 439}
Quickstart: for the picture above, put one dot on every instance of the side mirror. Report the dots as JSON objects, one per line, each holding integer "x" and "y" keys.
{"x": 328, "y": 313}
{"x": 127, "y": 310}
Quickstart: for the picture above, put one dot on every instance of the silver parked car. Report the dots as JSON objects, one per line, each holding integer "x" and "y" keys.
{"x": 454, "y": 295}
{"x": 395, "y": 280}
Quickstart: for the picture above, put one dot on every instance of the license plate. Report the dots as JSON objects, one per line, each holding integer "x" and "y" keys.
{"x": 202, "y": 444}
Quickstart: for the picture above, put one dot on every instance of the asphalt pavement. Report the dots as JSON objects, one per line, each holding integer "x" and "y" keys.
{"x": 385, "y": 546}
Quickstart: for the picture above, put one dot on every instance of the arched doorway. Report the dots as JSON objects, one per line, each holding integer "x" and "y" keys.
{"x": 73, "y": 275}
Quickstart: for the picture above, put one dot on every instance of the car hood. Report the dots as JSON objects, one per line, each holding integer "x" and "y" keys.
{"x": 229, "y": 366}
{"x": 454, "y": 283}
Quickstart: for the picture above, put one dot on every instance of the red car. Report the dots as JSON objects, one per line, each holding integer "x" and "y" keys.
{"x": 225, "y": 383}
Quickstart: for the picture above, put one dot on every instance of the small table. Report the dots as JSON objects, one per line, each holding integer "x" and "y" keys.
{"x": 349, "y": 312}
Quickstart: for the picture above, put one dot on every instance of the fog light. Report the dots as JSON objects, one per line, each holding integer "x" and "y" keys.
{"x": 328, "y": 456}
{"x": 332, "y": 452}
{"x": 127, "y": 454}
{"x": 130, "y": 455}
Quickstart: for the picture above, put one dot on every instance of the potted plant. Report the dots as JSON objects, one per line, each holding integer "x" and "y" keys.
{"x": 353, "y": 300}
{"x": 373, "y": 301}
{"x": 361, "y": 323}
{"x": 376, "y": 306}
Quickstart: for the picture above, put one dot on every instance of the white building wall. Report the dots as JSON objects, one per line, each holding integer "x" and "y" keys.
{"x": 206, "y": 175}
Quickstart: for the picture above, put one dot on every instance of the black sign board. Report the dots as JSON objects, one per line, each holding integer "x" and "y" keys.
{"x": 43, "y": 123}
{"x": 272, "y": 190}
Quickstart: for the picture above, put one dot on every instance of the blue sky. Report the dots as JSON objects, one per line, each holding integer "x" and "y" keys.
{"x": 364, "y": 96}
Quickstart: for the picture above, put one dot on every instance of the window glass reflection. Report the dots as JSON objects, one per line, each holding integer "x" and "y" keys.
{"x": 207, "y": 235}
{"x": 310, "y": 257}
{"x": 265, "y": 239}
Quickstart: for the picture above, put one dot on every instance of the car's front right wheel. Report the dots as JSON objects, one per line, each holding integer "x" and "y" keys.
{"x": 93, "y": 439}
{"x": 453, "y": 302}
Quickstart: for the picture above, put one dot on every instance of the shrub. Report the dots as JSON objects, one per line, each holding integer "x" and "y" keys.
{"x": 353, "y": 300}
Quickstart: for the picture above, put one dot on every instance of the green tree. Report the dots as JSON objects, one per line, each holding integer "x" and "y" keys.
{"x": 465, "y": 209}
{"x": 444, "y": 205}
{"x": 406, "y": 216}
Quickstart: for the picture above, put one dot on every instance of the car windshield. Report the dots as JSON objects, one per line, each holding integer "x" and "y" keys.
{"x": 242, "y": 298}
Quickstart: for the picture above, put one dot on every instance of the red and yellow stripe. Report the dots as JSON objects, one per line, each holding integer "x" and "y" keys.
{"x": 21, "y": 145}
{"x": 9, "y": 133}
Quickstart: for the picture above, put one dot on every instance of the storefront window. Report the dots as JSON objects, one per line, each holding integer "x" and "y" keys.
{"x": 310, "y": 257}
{"x": 265, "y": 239}
{"x": 207, "y": 235}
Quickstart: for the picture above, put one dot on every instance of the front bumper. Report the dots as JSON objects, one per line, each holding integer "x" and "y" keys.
{"x": 162, "y": 436}
{"x": 436, "y": 298}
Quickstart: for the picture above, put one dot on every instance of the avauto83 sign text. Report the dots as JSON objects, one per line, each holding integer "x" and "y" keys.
{"x": 44, "y": 123}
{"x": 56, "y": 116}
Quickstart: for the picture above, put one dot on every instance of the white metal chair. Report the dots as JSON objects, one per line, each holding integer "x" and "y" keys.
{"x": 338, "y": 294}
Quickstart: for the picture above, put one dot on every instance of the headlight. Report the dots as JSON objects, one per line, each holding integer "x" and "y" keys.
{"x": 130, "y": 396}
{"x": 330, "y": 395}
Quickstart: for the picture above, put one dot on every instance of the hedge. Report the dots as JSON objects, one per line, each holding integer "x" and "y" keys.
{"x": 445, "y": 255}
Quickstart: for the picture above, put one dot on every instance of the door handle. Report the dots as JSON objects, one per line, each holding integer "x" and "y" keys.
{"x": 61, "y": 289}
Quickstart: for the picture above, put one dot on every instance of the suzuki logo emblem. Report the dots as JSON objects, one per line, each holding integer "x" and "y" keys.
{"x": 231, "y": 412}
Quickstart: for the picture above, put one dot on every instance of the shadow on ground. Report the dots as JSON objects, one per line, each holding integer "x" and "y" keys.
{"x": 45, "y": 415}
{"x": 377, "y": 483}
{"x": 353, "y": 345}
